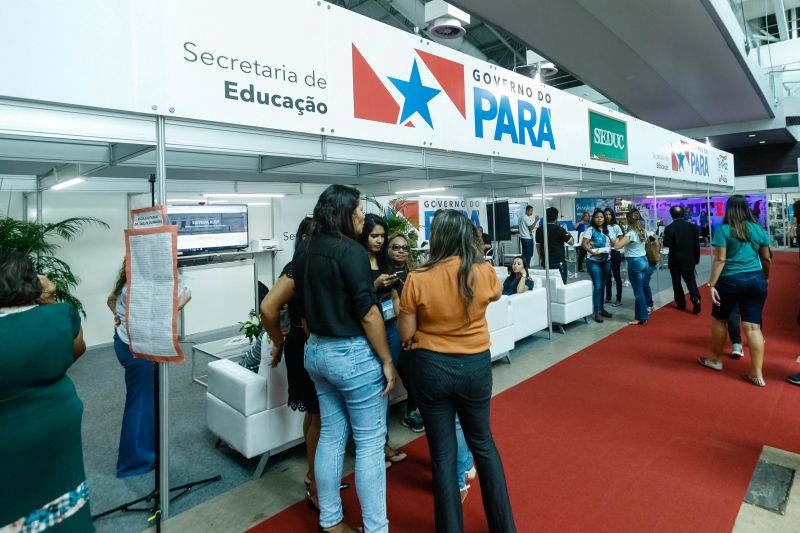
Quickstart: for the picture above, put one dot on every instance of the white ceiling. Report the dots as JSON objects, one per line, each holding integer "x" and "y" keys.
{"x": 665, "y": 62}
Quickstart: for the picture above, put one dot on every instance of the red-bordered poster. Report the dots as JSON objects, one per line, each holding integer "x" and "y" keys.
{"x": 151, "y": 265}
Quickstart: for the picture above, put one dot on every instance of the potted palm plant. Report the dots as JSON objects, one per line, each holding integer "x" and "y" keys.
{"x": 38, "y": 241}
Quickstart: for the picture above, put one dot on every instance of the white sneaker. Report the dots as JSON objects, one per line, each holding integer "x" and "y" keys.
{"x": 738, "y": 350}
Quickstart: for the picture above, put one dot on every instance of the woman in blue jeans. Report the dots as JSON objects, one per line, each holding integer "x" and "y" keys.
{"x": 346, "y": 355}
{"x": 639, "y": 270}
{"x": 137, "y": 445}
{"x": 597, "y": 245}
{"x": 739, "y": 275}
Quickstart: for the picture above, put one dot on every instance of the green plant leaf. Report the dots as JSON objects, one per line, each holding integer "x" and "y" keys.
{"x": 36, "y": 241}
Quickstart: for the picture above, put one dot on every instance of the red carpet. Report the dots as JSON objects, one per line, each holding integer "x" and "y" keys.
{"x": 628, "y": 435}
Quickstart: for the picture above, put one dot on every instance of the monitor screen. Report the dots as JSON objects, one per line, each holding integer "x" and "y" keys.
{"x": 209, "y": 227}
{"x": 497, "y": 216}
{"x": 514, "y": 212}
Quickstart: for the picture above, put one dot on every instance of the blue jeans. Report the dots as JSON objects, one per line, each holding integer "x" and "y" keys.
{"x": 349, "y": 380}
{"x": 527, "y": 251}
{"x": 137, "y": 438}
{"x": 639, "y": 272}
{"x": 463, "y": 456}
{"x": 598, "y": 271}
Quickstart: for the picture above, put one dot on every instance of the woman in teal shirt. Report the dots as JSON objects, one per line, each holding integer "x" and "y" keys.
{"x": 41, "y": 456}
{"x": 739, "y": 274}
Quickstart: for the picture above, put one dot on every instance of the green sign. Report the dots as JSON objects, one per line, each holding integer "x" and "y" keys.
{"x": 779, "y": 181}
{"x": 608, "y": 138}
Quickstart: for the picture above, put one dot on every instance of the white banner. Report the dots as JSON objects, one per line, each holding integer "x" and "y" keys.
{"x": 307, "y": 66}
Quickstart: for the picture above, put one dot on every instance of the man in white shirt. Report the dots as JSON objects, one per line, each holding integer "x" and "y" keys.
{"x": 527, "y": 224}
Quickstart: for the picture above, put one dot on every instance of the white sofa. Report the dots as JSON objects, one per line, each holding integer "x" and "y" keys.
{"x": 250, "y": 411}
{"x": 512, "y": 318}
{"x": 569, "y": 302}
{"x": 501, "y": 328}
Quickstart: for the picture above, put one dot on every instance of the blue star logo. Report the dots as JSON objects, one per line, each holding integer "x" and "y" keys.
{"x": 416, "y": 96}
{"x": 681, "y": 160}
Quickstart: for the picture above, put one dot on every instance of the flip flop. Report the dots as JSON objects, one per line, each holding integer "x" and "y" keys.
{"x": 708, "y": 363}
{"x": 758, "y": 382}
{"x": 397, "y": 457}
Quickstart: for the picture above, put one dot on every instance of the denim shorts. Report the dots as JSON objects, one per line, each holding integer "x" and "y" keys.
{"x": 748, "y": 289}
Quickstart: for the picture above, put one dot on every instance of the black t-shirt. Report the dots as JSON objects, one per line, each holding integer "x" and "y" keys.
{"x": 556, "y": 237}
{"x": 295, "y": 309}
{"x": 333, "y": 281}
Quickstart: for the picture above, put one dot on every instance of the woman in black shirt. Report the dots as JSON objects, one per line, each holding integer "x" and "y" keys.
{"x": 332, "y": 278}
{"x": 302, "y": 394}
{"x": 519, "y": 281}
{"x": 373, "y": 239}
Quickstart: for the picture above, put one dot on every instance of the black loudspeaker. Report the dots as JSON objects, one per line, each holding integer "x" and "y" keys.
{"x": 499, "y": 221}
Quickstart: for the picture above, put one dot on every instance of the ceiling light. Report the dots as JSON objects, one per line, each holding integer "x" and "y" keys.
{"x": 218, "y": 201}
{"x": 761, "y": 142}
{"x": 258, "y": 203}
{"x": 667, "y": 196}
{"x": 243, "y": 195}
{"x": 752, "y": 135}
{"x": 438, "y": 196}
{"x": 555, "y": 194}
{"x": 193, "y": 200}
{"x": 414, "y": 191}
{"x": 68, "y": 183}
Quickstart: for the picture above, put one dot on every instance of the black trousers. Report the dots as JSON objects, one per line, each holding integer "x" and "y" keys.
{"x": 446, "y": 384}
{"x": 581, "y": 257}
{"x": 616, "y": 262}
{"x": 403, "y": 368}
{"x": 691, "y": 284}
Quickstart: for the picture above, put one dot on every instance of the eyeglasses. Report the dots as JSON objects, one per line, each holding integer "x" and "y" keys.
{"x": 400, "y": 248}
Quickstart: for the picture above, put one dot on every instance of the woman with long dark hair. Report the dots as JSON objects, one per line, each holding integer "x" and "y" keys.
{"x": 639, "y": 269}
{"x": 302, "y": 394}
{"x": 739, "y": 274}
{"x": 346, "y": 355}
{"x": 398, "y": 252}
{"x": 443, "y": 319}
{"x": 41, "y": 455}
{"x": 614, "y": 233}
{"x": 597, "y": 245}
{"x": 384, "y": 280}
{"x": 137, "y": 444}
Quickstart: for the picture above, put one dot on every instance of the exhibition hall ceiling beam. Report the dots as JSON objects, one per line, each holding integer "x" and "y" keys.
{"x": 120, "y": 153}
{"x": 676, "y": 68}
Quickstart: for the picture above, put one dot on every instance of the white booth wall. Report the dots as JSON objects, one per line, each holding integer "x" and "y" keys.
{"x": 11, "y": 204}
{"x": 96, "y": 256}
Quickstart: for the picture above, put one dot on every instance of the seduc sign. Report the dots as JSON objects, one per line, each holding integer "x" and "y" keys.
{"x": 608, "y": 138}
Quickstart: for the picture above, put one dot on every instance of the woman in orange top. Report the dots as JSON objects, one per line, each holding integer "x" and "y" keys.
{"x": 443, "y": 319}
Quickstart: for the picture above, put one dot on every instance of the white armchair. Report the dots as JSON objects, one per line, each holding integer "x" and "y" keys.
{"x": 529, "y": 311}
{"x": 569, "y": 302}
{"x": 501, "y": 328}
{"x": 250, "y": 411}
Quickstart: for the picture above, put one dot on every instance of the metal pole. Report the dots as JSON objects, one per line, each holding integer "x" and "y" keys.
{"x": 38, "y": 200}
{"x": 655, "y": 229}
{"x": 24, "y": 207}
{"x": 497, "y": 253}
{"x": 163, "y": 368}
{"x": 708, "y": 212}
{"x": 546, "y": 262}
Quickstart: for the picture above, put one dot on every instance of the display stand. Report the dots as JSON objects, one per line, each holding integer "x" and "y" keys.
{"x": 156, "y": 496}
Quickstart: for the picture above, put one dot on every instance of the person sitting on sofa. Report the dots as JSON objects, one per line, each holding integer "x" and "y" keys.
{"x": 519, "y": 281}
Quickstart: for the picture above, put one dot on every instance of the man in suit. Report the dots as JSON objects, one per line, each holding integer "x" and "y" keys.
{"x": 684, "y": 253}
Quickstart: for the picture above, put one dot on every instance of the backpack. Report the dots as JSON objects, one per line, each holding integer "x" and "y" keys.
{"x": 652, "y": 248}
